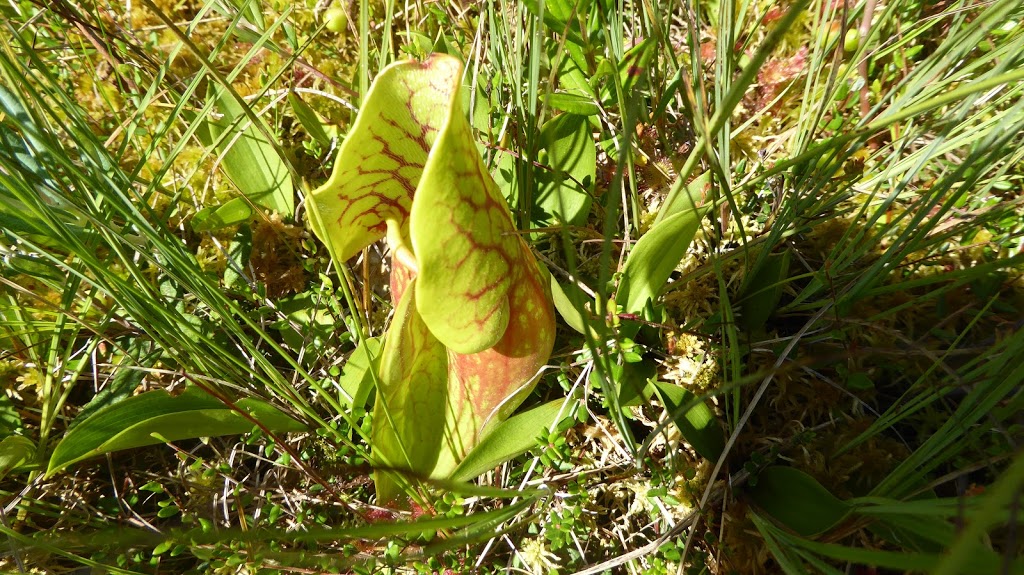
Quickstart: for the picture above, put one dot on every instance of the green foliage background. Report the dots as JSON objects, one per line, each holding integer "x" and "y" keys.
{"x": 787, "y": 245}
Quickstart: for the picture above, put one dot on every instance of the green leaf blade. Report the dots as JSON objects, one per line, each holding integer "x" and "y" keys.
{"x": 655, "y": 256}
{"x": 249, "y": 159}
{"x": 798, "y": 501}
{"x": 512, "y": 438}
{"x": 156, "y": 417}
{"x": 357, "y": 378}
{"x": 563, "y": 193}
{"x": 698, "y": 424}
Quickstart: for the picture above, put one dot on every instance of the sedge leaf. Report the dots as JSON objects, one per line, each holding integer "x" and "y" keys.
{"x": 697, "y": 424}
{"x": 248, "y": 158}
{"x": 797, "y": 500}
{"x": 156, "y": 417}
{"x": 512, "y": 438}
{"x": 655, "y": 256}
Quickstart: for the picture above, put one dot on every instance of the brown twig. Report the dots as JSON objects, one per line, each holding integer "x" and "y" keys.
{"x": 862, "y": 66}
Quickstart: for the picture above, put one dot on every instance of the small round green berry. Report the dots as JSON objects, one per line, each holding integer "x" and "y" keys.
{"x": 336, "y": 20}
{"x": 852, "y": 40}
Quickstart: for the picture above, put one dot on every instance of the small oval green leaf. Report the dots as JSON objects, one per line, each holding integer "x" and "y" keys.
{"x": 214, "y": 218}
{"x": 685, "y": 195}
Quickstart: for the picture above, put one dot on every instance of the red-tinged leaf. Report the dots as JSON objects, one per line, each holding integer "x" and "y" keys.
{"x": 776, "y": 74}
{"x": 380, "y": 162}
{"x": 486, "y": 387}
{"x": 474, "y": 323}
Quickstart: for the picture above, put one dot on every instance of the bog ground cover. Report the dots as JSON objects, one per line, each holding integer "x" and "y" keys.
{"x": 569, "y": 286}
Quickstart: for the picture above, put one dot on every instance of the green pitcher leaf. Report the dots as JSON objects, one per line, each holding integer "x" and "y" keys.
{"x": 466, "y": 247}
{"x": 486, "y": 387}
{"x": 474, "y": 323}
{"x": 412, "y": 127}
{"x": 249, "y": 159}
{"x": 655, "y": 256}
{"x": 409, "y": 420}
{"x": 463, "y": 237}
{"x": 157, "y": 417}
{"x": 797, "y": 500}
